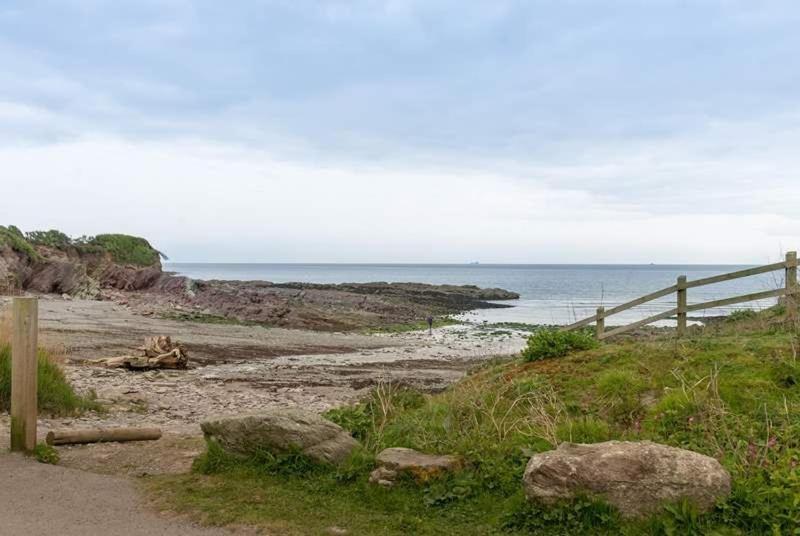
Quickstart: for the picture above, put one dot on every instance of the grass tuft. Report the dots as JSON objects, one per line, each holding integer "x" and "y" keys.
{"x": 54, "y": 393}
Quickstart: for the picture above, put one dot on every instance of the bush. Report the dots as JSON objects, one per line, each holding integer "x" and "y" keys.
{"x": 125, "y": 249}
{"x": 55, "y": 395}
{"x": 741, "y": 314}
{"x": 547, "y": 343}
{"x": 16, "y": 240}
{"x": 52, "y": 238}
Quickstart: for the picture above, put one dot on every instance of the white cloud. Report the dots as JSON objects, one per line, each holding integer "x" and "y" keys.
{"x": 200, "y": 201}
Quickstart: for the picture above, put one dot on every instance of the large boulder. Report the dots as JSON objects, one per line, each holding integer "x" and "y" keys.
{"x": 281, "y": 431}
{"x": 393, "y": 462}
{"x": 636, "y": 477}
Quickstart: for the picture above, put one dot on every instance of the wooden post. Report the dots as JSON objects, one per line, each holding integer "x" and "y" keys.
{"x": 601, "y": 322}
{"x": 791, "y": 285}
{"x": 682, "y": 304}
{"x": 23, "y": 374}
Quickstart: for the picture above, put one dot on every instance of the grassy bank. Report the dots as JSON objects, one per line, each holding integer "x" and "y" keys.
{"x": 731, "y": 392}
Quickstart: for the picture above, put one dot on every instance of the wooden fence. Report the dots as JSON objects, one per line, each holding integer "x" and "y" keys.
{"x": 682, "y": 308}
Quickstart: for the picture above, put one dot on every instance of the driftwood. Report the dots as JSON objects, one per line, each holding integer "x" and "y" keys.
{"x": 101, "y": 435}
{"x": 157, "y": 353}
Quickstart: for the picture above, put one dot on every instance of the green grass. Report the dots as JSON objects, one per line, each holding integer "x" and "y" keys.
{"x": 55, "y": 395}
{"x": 732, "y": 394}
{"x": 44, "y": 453}
{"x": 14, "y": 238}
{"x": 125, "y": 249}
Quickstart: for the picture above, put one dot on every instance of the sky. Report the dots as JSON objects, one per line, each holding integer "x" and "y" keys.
{"x": 558, "y": 131}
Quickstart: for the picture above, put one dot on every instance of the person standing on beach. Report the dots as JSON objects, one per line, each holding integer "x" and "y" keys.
{"x": 430, "y": 325}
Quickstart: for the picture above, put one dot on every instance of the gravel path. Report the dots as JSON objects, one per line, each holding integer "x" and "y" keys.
{"x": 42, "y": 500}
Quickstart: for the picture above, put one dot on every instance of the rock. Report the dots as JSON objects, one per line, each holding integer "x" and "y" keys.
{"x": 279, "y": 431}
{"x": 395, "y": 461}
{"x": 638, "y": 478}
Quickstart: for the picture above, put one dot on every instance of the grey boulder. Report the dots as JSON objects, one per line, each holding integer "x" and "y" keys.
{"x": 395, "y": 461}
{"x": 281, "y": 431}
{"x": 638, "y": 478}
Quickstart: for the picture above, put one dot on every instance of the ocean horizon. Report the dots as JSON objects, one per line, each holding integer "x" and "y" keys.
{"x": 549, "y": 293}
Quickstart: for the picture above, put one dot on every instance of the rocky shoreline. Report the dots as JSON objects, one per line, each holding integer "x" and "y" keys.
{"x": 98, "y": 269}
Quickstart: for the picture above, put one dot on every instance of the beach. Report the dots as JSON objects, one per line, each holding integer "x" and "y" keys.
{"x": 235, "y": 369}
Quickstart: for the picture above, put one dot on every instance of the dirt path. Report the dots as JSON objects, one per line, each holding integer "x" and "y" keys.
{"x": 41, "y": 500}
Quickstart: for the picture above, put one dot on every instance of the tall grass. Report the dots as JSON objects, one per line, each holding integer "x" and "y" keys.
{"x": 54, "y": 393}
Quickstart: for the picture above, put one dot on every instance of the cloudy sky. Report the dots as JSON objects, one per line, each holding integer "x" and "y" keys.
{"x": 407, "y": 131}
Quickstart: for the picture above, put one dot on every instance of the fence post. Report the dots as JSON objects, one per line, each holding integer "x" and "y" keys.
{"x": 682, "y": 303}
{"x": 601, "y": 322}
{"x": 791, "y": 285}
{"x": 23, "y": 374}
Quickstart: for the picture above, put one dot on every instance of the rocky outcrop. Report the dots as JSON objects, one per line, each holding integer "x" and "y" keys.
{"x": 397, "y": 461}
{"x": 281, "y": 431}
{"x": 80, "y": 269}
{"x": 462, "y": 297}
{"x": 638, "y": 478}
{"x": 127, "y": 269}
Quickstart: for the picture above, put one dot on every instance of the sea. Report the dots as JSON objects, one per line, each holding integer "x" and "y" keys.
{"x": 554, "y": 294}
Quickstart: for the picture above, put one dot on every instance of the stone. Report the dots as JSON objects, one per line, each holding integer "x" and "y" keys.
{"x": 638, "y": 478}
{"x": 280, "y": 431}
{"x": 422, "y": 467}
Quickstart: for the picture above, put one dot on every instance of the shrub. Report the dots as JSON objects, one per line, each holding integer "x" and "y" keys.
{"x": 741, "y": 314}
{"x": 547, "y": 343}
{"x": 16, "y": 240}
{"x": 125, "y": 249}
{"x": 52, "y": 238}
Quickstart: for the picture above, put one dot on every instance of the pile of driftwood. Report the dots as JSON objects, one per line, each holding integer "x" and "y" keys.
{"x": 157, "y": 353}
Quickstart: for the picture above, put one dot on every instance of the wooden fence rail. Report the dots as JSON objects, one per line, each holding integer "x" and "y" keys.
{"x": 680, "y": 289}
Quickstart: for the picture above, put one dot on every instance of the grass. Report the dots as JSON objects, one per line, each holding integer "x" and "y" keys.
{"x": 125, "y": 249}
{"x": 731, "y": 392}
{"x": 55, "y": 395}
{"x": 14, "y": 238}
{"x": 44, "y": 453}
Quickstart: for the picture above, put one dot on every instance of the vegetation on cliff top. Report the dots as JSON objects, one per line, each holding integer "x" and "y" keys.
{"x": 731, "y": 391}
{"x": 123, "y": 249}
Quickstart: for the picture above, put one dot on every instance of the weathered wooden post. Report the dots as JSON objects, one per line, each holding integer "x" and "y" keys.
{"x": 682, "y": 304}
{"x": 23, "y": 374}
{"x": 601, "y": 322}
{"x": 791, "y": 285}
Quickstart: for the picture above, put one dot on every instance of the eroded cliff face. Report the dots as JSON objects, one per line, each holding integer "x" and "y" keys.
{"x": 69, "y": 271}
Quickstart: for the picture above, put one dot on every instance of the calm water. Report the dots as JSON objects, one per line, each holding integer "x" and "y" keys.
{"x": 551, "y": 294}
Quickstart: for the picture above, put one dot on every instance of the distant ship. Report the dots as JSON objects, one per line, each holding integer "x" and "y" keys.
{"x": 473, "y": 262}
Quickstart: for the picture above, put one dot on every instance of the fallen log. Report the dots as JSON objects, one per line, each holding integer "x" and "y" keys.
{"x": 101, "y": 435}
{"x": 157, "y": 353}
